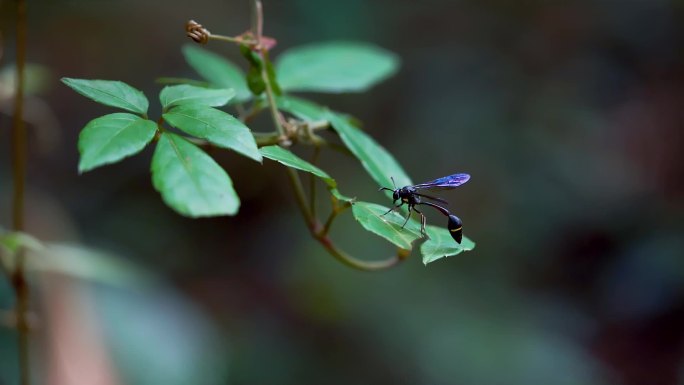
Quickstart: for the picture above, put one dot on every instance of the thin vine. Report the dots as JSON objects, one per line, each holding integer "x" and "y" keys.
{"x": 318, "y": 231}
{"x": 18, "y": 275}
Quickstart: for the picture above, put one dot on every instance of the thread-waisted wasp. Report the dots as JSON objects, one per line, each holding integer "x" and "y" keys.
{"x": 409, "y": 195}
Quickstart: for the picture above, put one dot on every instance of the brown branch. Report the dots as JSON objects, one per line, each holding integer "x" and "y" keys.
{"x": 312, "y": 181}
{"x": 18, "y": 129}
{"x": 21, "y": 290}
{"x": 359, "y": 264}
{"x": 19, "y": 283}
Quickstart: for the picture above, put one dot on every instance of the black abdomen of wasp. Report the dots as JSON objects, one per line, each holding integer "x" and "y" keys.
{"x": 455, "y": 227}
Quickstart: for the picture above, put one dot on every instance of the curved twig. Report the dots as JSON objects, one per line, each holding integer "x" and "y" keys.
{"x": 318, "y": 232}
{"x": 359, "y": 264}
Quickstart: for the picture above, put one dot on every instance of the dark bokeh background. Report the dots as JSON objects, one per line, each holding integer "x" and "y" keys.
{"x": 567, "y": 114}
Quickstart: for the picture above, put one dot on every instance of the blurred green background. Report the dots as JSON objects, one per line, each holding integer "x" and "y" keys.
{"x": 568, "y": 115}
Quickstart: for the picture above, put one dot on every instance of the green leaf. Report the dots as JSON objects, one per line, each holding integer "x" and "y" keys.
{"x": 11, "y": 242}
{"x": 110, "y": 138}
{"x": 190, "y": 181}
{"x": 186, "y": 94}
{"x": 215, "y": 126}
{"x": 287, "y": 158}
{"x": 370, "y": 216}
{"x": 302, "y": 109}
{"x": 78, "y": 262}
{"x": 218, "y": 71}
{"x": 335, "y": 67}
{"x": 441, "y": 244}
{"x": 379, "y": 163}
{"x": 14, "y": 240}
{"x": 110, "y": 93}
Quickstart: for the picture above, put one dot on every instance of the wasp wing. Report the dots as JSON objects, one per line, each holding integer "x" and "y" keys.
{"x": 444, "y": 183}
{"x": 432, "y": 198}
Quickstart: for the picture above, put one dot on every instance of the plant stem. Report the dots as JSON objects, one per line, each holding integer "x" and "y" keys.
{"x": 257, "y": 20}
{"x": 257, "y": 29}
{"x": 320, "y": 234}
{"x": 311, "y": 221}
{"x": 227, "y": 38}
{"x": 331, "y": 218}
{"x": 246, "y": 116}
{"x": 357, "y": 263}
{"x": 21, "y": 290}
{"x": 318, "y": 125}
{"x": 257, "y": 25}
{"x": 273, "y": 107}
{"x": 312, "y": 182}
{"x": 19, "y": 177}
{"x": 18, "y": 129}
{"x": 317, "y": 231}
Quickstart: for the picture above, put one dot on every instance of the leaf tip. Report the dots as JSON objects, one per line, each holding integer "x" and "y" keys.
{"x": 67, "y": 81}
{"x": 83, "y": 168}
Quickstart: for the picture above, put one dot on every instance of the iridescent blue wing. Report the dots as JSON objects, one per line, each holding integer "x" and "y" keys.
{"x": 445, "y": 183}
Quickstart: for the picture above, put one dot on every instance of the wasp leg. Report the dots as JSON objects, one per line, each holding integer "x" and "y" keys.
{"x": 393, "y": 208}
{"x": 408, "y": 216}
{"x": 423, "y": 222}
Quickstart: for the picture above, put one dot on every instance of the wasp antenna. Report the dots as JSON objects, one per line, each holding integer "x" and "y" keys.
{"x": 393, "y": 184}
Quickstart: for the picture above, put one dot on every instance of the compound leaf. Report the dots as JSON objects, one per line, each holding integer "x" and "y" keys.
{"x": 190, "y": 181}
